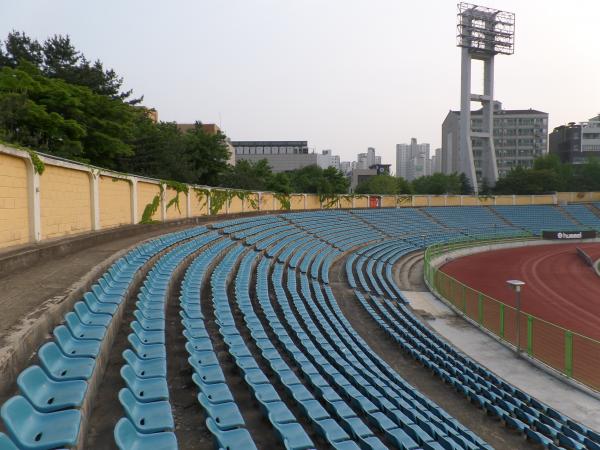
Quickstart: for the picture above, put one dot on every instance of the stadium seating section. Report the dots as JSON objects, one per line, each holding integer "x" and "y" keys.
{"x": 272, "y": 307}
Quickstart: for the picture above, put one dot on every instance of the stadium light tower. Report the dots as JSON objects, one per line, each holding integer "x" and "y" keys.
{"x": 517, "y": 285}
{"x": 482, "y": 33}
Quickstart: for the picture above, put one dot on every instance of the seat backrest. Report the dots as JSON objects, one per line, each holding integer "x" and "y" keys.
{"x": 62, "y": 333}
{"x": 128, "y": 374}
{"x": 16, "y": 411}
{"x": 32, "y": 378}
{"x": 127, "y": 399}
{"x": 6, "y": 443}
{"x": 125, "y": 433}
{"x": 72, "y": 320}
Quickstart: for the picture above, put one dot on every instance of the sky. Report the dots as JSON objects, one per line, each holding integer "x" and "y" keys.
{"x": 342, "y": 74}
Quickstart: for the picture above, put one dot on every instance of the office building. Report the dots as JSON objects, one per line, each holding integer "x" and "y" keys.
{"x": 576, "y": 143}
{"x": 282, "y": 156}
{"x": 328, "y": 159}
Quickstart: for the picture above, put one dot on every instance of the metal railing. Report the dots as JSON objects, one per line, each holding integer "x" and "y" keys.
{"x": 572, "y": 354}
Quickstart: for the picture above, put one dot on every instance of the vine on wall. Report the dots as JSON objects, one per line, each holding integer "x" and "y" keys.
{"x": 150, "y": 210}
{"x": 38, "y": 164}
{"x": 178, "y": 188}
{"x": 284, "y": 200}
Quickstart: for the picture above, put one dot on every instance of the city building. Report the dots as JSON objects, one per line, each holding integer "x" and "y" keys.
{"x": 366, "y": 160}
{"x": 519, "y": 137}
{"x": 412, "y": 160}
{"x": 575, "y": 143}
{"x": 436, "y": 161}
{"x": 327, "y": 159}
{"x": 282, "y": 156}
{"x": 211, "y": 128}
{"x": 360, "y": 175}
{"x": 346, "y": 167}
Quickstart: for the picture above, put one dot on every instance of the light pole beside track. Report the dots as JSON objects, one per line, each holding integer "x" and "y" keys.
{"x": 516, "y": 286}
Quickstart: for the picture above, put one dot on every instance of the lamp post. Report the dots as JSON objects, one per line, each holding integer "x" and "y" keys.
{"x": 516, "y": 285}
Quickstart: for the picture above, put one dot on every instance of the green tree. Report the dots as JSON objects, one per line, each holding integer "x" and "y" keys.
{"x": 437, "y": 184}
{"x": 313, "y": 179}
{"x": 379, "y": 184}
{"x": 466, "y": 188}
{"x": 58, "y": 58}
{"x": 522, "y": 181}
{"x": 248, "y": 175}
{"x": 404, "y": 186}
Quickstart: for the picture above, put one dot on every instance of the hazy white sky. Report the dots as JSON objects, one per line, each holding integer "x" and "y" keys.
{"x": 342, "y": 74}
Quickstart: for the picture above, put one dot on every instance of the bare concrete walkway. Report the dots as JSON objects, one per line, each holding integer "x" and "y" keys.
{"x": 481, "y": 347}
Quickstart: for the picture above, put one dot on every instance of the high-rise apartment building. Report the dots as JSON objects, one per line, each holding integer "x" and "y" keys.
{"x": 520, "y": 136}
{"x": 412, "y": 160}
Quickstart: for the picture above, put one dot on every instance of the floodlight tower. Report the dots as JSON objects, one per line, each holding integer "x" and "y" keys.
{"x": 482, "y": 33}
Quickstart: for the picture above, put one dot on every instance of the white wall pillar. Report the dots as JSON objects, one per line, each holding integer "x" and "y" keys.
{"x": 260, "y": 201}
{"x": 208, "y": 202}
{"x": 188, "y": 203}
{"x": 133, "y": 199}
{"x": 304, "y": 200}
{"x": 163, "y": 203}
{"x": 95, "y": 199}
{"x": 33, "y": 191}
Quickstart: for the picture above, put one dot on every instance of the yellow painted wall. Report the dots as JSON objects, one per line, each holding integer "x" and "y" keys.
{"x": 65, "y": 202}
{"x": 404, "y": 201}
{"x": 266, "y": 202}
{"x": 145, "y": 194}
{"x": 522, "y": 199}
{"x": 420, "y": 200}
{"x": 173, "y": 212}
{"x": 236, "y": 205}
{"x": 453, "y": 200}
{"x": 198, "y": 204}
{"x": 14, "y": 215}
{"x": 504, "y": 200}
{"x": 361, "y": 202}
{"x": 595, "y": 196}
{"x": 296, "y": 202}
{"x": 388, "y": 201}
{"x": 115, "y": 202}
{"x": 437, "y": 200}
{"x": 251, "y": 203}
{"x": 345, "y": 202}
{"x": 312, "y": 201}
{"x": 487, "y": 201}
{"x": 470, "y": 200}
{"x": 543, "y": 200}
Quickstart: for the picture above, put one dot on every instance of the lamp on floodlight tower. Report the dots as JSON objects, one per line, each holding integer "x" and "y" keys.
{"x": 517, "y": 285}
{"x": 482, "y": 33}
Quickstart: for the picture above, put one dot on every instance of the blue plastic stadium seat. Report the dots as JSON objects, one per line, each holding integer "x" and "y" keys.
{"x": 145, "y": 368}
{"x": 128, "y": 438}
{"x": 215, "y": 392}
{"x": 83, "y": 331}
{"x": 145, "y": 389}
{"x": 61, "y": 367}
{"x": 97, "y": 306}
{"x": 225, "y": 415}
{"x": 147, "y": 417}
{"x": 90, "y": 318}
{"x": 33, "y": 430}
{"x": 238, "y": 438}
{"x": 210, "y": 374}
{"x": 6, "y": 443}
{"x": 71, "y": 346}
{"x": 47, "y": 395}
{"x": 146, "y": 351}
{"x": 293, "y": 435}
{"x": 147, "y": 337}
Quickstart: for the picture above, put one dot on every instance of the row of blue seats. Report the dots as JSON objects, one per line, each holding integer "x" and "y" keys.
{"x": 223, "y": 418}
{"x": 276, "y": 282}
{"x": 145, "y": 399}
{"x": 290, "y": 432}
{"x": 305, "y": 290}
{"x": 47, "y": 415}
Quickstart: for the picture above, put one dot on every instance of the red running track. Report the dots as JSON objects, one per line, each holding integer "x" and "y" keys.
{"x": 560, "y": 288}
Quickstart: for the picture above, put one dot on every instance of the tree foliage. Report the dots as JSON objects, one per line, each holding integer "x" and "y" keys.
{"x": 384, "y": 185}
{"x": 438, "y": 184}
